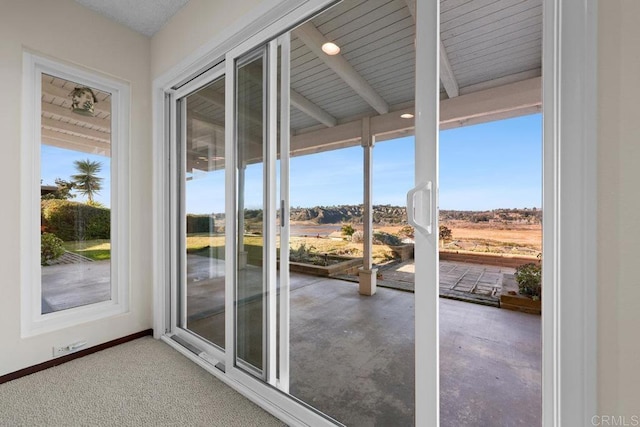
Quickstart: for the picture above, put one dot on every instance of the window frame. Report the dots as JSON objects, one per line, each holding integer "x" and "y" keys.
{"x": 33, "y": 322}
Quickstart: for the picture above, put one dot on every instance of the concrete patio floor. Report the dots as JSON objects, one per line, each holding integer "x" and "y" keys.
{"x": 352, "y": 357}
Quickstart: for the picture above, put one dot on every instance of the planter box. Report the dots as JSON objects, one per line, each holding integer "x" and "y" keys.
{"x": 517, "y": 302}
{"x": 520, "y": 303}
{"x": 503, "y": 260}
{"x": 347, "y": 266}
{"x": 403, "y": 252}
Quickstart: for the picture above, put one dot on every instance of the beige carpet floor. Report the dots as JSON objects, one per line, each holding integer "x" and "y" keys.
{"x": 141, "y": 383}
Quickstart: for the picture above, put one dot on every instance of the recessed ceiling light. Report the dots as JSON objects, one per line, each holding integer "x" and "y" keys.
{"x": 330, "y": 48}
{"x": 406, "y": 116}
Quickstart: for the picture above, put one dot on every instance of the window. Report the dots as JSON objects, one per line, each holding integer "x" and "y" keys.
{"x": 74, "y": 196}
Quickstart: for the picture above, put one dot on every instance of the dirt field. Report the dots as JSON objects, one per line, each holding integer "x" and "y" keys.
{"x": 516, "y": 239}
{"x": 495, "y": 238}
{"x": 521, "y": 234}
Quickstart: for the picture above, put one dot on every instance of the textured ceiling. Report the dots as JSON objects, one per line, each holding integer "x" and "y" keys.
{"x": 143, "y": 16}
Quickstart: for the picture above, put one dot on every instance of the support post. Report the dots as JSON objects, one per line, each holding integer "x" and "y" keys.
{"x": 367, "y": 274}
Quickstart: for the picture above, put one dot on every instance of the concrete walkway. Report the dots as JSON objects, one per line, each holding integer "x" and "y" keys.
{"x": 66, "y": 286}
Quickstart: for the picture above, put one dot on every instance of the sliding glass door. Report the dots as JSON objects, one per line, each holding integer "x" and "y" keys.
{"x": 259, "y": 332}
{"x": 200, "y": 198}
{"x": 251, "y": 274}
{"x": 237, "y": 125}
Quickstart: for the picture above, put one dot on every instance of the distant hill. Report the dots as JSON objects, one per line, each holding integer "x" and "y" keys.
{"x": 382, "y": 214}
{"x": 526, "y": 215}
{"x": 387, "y": 214}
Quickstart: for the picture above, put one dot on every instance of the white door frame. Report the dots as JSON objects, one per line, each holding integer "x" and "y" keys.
{"x": 569, "y": 321}
{"x": 569, "y": 203}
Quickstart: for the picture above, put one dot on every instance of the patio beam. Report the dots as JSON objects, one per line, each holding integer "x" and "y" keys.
{"x": 510, "y": 100}
{"x": 76, "y": 143}
{"x": 498, "y": 103}
{"x": 446, "y": 74}
{"x": 304, "y": 105}
{"x": 312, "y": 110}
{"x": 314, "y": 40}
{"x": 447, "y": 77}
{"x": 75, "y": 130}
{"x": 103, "y": 125}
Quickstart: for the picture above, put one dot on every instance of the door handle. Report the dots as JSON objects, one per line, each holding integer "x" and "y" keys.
{"x": 415, "y": 219}
{"x": 282, "y": 213}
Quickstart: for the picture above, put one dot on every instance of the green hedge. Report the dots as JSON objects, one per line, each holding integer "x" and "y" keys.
{"x": 200, "y": 224}
{"x": 73, "y": 221}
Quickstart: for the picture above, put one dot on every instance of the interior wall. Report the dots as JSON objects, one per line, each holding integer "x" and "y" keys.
{"x": 66, "y": 31}
{"x": 195, "y": 24}
{"x": 618, "y": 208}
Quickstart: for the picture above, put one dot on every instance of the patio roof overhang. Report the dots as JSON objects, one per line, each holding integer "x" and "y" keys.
{"x": 498, "y": 103}
{"x": 490, "y": 68}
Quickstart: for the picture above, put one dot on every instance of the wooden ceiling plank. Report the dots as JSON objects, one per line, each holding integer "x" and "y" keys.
{"x": 368, "y": 22}
{"x": 488, "y": 13}
{"x": 487, "y": 18}
{"x": 398, "y": 23}
{"x": 498, "y": 53}
{"x": 497, "y": 35}
{"x": 75, "y": 138}
{"x": 80, "y": 131}
{"x": 349, "y": 15}
{"x": 512, "y": 78}
{"x": 466, "y": 35}
{"x": 314, "y": 39}
{"x": 102, "y": 124}
{"x": 500, "y": 67}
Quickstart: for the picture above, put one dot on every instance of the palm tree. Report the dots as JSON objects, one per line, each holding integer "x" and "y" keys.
{"x": 86, "y": 181}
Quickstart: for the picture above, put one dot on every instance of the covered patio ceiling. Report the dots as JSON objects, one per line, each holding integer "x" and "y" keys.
{"x": 490, "y": 68}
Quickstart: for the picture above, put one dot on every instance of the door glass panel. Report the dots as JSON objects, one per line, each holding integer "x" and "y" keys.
{"x": 250, "y": 286}
{"x": 351, "y": 355}
{"x": 203, "y": 214}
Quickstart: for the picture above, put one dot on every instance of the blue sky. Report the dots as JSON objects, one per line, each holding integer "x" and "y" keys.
{"x": 492, "y": 165}
{"x": 58, "y": 163}
{"x": 488, "y": 166}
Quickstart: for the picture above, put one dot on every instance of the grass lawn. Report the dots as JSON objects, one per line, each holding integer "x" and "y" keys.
{"x": 213, "y": 246}
{"x": 97, "y": 250}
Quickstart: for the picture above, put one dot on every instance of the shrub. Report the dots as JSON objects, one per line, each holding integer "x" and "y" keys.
{"x": 348, "y": 230}
{"x": 407, "y": 231}
{"x": 200, "y": 224}
{"x": 357, "y": 237}
{"x": 445, "y": 233}
{"x": 529, "y": 278}
{"x": 51, "y": 248}
{"x": 308, "y": 256}
{"x": 382, "y": 238}
{"x": 73, "y": 221}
